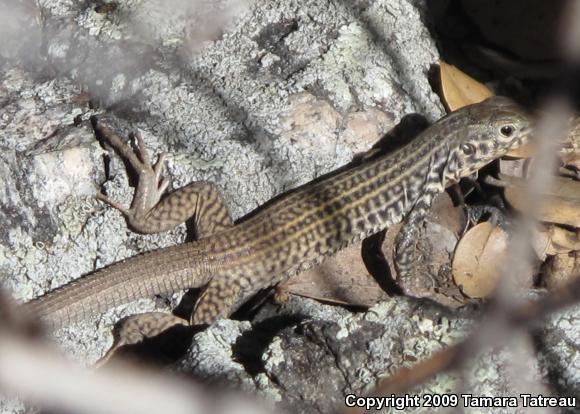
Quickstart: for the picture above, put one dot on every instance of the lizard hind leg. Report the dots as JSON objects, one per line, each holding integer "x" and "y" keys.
{"x": 199, "y": 200}
{"x": 136, "y": 329}
{"x": 216, "y": 301}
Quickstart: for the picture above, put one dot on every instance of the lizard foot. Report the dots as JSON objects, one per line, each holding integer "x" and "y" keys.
{"x": 496, "y": 215}
{"x": 137, "y": 329}
{"x": 149, "y": 212}
{"x": 150, "y": 186}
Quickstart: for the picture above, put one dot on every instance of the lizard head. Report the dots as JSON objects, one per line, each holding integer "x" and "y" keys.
{"x": 495, "y": 126}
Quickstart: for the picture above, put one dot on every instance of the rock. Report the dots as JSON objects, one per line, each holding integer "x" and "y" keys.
{"x": 318, "y": 354}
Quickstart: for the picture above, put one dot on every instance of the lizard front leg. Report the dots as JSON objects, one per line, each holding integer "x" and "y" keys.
{"x": 406, "y": 240}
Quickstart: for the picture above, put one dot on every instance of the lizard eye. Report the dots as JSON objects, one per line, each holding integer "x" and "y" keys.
{"x": 507, "y": 130}
{"x": 468, "y": 149}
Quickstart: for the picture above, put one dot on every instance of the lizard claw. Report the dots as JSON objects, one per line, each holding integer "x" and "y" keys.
{"x": 159, "y": 165}
{"x": 142, "y": 150}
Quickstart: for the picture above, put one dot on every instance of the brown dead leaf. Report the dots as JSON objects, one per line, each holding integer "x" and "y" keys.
{"x": 563, "y": 241}
{"x": 553, "y": 240}
{"x": 343, "y": 279}
{"x": 444, "y": 213}
{"x": 570, "y": 151}
{"x": 525, "y": 151}
{"x": 459, "y": 89}
{"x": 478, "y": 258}
{"x": 563, "y": 269}
{"x": 561, "y": 202}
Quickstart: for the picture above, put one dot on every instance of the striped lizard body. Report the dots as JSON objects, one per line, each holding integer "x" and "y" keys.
{"x": 293, "y": 232}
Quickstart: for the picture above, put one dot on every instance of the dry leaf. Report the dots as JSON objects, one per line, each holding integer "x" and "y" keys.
{"x": 561, "y": 202}
{"x": 459, "y": 89}
{"x": 552, "y": 240}
{"x": 563, "y": 269}
{"x": 342, "y": 279}
{"x": 563, "y": 241}
{"x": 478, "y": 258}
{"x": 444, "y": 213}
{"x": 525, "y": 151}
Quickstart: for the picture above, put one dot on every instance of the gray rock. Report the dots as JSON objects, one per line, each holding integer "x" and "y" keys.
{"x": 311, "y": 356}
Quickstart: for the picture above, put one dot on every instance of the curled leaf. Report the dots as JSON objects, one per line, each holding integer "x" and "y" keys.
{"x": 560, "y": 202}
{"x": 344, "y": 279}
{"x": 459, "y": 89}
{"x": 563, "y": 269}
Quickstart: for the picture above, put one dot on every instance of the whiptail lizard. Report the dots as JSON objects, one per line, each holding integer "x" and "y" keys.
{"x": 291, "y": 233}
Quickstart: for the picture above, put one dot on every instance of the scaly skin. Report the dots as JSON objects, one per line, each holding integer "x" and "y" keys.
{"x": 292, "y": 233}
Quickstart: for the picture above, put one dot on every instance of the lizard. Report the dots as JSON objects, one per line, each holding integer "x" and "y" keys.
{"x": 290, "y": 234}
